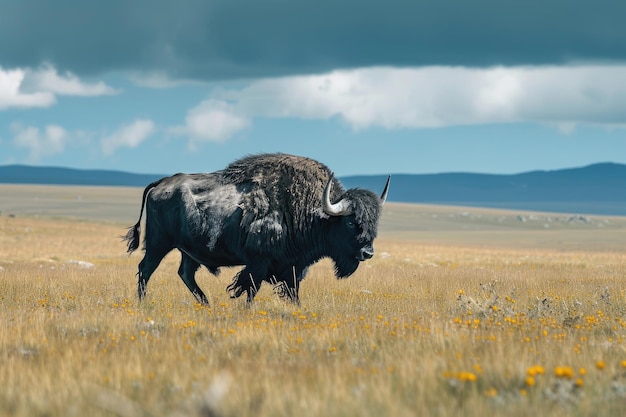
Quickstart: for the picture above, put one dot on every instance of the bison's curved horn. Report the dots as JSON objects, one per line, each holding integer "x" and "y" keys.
{"x": 340, "y": 208}
{"x": 383, "y": 196}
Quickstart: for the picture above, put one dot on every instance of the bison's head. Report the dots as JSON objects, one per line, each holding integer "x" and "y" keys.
{"x": 353, "y": 226}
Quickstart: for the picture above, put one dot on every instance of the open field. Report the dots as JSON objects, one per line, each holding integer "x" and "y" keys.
{"x": 461, "y": 312}
{"x": 412, "y": 222}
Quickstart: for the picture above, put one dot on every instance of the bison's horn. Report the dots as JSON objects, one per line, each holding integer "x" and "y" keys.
{"x": 383, "y": 196}
{"x": 340, "y": 208}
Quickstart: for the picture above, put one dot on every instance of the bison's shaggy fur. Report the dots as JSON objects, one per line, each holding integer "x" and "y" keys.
{"x": 265, "y": 212}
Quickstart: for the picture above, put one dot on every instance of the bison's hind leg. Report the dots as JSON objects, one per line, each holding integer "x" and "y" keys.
{"x": 187, "y": 272}
{"x": 147, "y": 266}
{"x": 156, "y": 249}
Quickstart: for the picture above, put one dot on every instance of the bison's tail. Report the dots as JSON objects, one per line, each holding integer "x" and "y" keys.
{"x": 132, "y": 236}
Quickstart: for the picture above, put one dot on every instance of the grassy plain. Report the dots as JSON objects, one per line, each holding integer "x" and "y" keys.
{"x": 461, "y": 312}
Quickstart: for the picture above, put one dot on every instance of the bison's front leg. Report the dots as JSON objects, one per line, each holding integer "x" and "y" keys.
{"x": 285, "y": 290}
{"x": 248, "y": 280}
{"x": 253, "y": 289}
{"x": 288, "y": 283}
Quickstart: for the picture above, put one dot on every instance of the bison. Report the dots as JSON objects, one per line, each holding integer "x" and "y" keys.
{"x": 273, "y": 214}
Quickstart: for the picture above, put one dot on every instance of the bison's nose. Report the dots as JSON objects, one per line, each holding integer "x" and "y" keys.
{"x": 366, "y": 253}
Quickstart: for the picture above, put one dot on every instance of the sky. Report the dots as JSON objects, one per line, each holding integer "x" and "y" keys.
{"x": 366, "y": 87}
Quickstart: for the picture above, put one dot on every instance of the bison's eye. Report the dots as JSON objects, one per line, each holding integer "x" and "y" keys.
{"x": 351, "y": 224}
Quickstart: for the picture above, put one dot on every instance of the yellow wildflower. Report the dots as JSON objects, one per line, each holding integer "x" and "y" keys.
{"x": 535, "y": 370}
{"x": 467, "y": 376}
{"x": 563, "y": 372}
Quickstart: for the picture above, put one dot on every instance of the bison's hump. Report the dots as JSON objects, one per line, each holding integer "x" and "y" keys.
{"x": 269, "y": 169}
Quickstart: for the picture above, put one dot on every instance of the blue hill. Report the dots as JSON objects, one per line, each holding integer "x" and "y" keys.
{"x": 24, "y": 174}
{"x": 594, "y": 189}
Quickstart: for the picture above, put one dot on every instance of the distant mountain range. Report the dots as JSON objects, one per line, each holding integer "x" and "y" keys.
{"x": 24, "y": 174}
{"x": 594, "y": 189}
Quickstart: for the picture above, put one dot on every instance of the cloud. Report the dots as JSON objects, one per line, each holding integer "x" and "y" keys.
{"x": 211, "y": 121}
{"x": 430, "y": 97}
{"x": 53, "y": 139}
{"x": 47, "y": 79}
{"x": 25, "y": 88}
{"x": 128, "y": 136}
{"x": 11, "y": 96}
{"x": 41, "y": 143}
{"x": 250, "y": 39}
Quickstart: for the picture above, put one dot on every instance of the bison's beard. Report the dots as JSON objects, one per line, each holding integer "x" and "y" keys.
{"x": 345, "y": 267}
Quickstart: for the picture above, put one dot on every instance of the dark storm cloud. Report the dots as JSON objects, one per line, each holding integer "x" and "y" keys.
{"x": 252, "y": 38}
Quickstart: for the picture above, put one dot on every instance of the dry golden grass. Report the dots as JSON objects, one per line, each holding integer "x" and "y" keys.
{"x": 443, "y": 328}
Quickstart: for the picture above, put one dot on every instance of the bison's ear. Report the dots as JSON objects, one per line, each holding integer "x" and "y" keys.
{"x": 340, "y": 208}
{"x": 383, "y": 196}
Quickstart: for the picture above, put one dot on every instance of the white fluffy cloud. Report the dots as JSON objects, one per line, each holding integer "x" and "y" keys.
{"x": 53, "y": 139}
{"x": 11, "y": 96}
{"x": 211, "y": 121}
{"x": 24, "y": 88}
{"x": 41, "y": 143}
{"x": 47, "y": 79}
{"x": 128, "y": 136}
{"x": 429, "y": 97}
{"x": 383, "y": 97}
